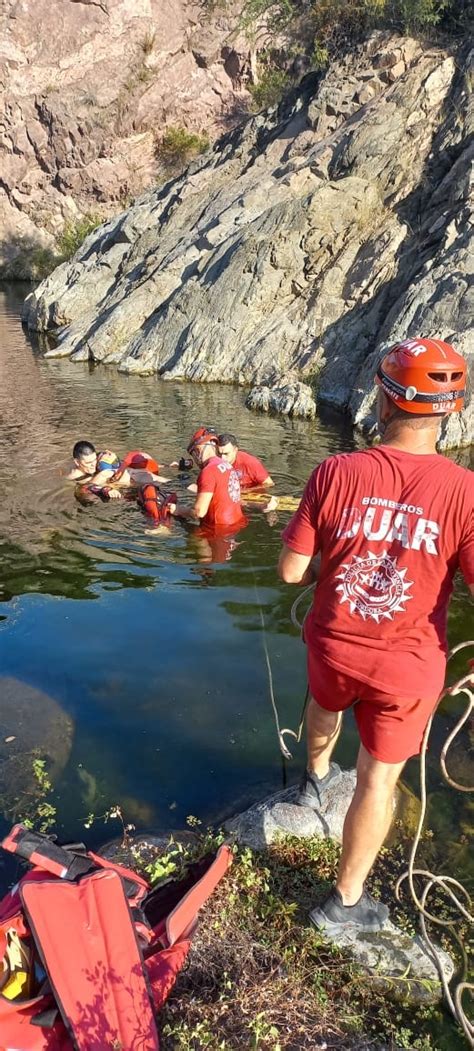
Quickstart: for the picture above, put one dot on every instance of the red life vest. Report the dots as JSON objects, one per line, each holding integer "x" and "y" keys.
{"x": 155, "y": 503}
{"x": 98, "y": 951}
{"x": 138, "y": 461}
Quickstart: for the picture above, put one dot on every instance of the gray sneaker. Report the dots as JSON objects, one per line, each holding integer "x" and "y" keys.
{"x": 312, "y": 787}
{"x": 333, "y": 916}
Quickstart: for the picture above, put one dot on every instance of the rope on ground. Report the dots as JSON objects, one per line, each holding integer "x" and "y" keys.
{"x": 454, "y": 890}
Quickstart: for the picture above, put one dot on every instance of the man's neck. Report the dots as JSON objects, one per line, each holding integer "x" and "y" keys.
{"x": 422, "y": 442}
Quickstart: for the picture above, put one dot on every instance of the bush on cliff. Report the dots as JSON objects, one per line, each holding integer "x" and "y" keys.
{"x": 178, "y": 146}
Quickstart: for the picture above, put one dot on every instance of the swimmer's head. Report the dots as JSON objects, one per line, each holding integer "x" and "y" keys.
{"x": 228, "y": 447}
{"x": 85, "y": 457}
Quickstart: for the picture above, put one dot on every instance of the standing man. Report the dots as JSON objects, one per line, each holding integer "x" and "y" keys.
{"x": 250, "y": 470}
{"x": 392, "y": 524}
{"x": 217, "y": 504}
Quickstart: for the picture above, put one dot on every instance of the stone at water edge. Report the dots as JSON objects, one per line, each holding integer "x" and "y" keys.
{"x": 259, "y": 826}
{"x": 289, "y": 399}
{"x": 401, "y": 966}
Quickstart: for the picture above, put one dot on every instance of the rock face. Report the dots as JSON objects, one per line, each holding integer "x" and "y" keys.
{"x": 306, "y": 242}
{"x": 86, "y": 93}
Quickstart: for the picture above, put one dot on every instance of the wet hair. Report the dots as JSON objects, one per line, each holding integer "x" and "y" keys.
{"x": 227, "y": 439}
{"x": 82, "y": 449}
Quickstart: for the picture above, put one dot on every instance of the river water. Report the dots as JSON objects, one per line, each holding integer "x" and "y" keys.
{"x": 153, "y": 657}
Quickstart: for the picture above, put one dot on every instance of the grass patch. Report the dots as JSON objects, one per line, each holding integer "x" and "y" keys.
{"x": 260, "y": 978}
{"x": 178, "y": 146}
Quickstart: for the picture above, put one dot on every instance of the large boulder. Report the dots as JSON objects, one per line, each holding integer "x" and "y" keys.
{"x": 301, "y": 246}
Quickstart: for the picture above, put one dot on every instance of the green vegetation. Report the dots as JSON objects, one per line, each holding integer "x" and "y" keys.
{"x": 270, "y": 88}
{"x": 35, "y": 261}
{"x": 178, "y": 146}
{"x": 305, "y": 34}
{"x": 260, "y": 977}
{"x": 41, "y": 813}
{"x": 75, "y": 233}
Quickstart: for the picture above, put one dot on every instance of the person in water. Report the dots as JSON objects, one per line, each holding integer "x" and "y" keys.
{"x": 105, "y": 472}
{"x": 88, "y": 463}
{"x": 392, "y": 524}
{"x": 250, "y": 470}
{"x": 217, "y": 504}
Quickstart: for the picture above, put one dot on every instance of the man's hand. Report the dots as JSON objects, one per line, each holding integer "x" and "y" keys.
{"x": 114, "y": 494}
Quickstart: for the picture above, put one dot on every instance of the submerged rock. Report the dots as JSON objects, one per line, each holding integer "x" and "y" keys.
{"x": 32, "y": 725}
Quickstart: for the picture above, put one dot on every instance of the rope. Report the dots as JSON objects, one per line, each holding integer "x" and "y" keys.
{"x": 447, "y": 884}
{"x": 281, "y": 733}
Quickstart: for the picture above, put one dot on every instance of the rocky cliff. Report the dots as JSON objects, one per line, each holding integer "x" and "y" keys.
{"x": 87, "y": 89}
{"x": 306, "y": 241}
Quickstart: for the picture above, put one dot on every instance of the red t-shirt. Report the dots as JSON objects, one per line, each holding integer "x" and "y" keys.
{"x": 249, "y": 469}
{"x": 392, "y": 528}
{"x": 219, "y": 478}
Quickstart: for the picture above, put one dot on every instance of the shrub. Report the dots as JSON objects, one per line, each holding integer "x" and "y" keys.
{"x": 73, "y": 235}
{"x": 178, "y": 146}
{"x": 270, "y": 88}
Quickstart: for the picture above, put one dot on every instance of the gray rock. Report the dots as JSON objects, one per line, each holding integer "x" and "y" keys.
{"x": 296, "y": 248}
{"x": 291, "y": 399}
{"x": 263, "y": 822}
{"x": 403, "y": 967}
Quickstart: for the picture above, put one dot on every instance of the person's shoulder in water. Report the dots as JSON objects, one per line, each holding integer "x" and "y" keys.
{"x": 88, "y": 463}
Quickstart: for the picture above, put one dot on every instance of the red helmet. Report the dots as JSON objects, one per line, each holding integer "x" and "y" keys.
{"x": 423, "y": 376}
{"x": 202, "y": 436}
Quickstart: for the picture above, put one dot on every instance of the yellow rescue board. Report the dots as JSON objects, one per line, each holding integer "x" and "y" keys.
{"x": 284, "y": 503}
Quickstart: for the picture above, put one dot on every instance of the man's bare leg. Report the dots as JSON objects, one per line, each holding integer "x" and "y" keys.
{"x": 367, "y": 823}
{"x": 322, "y": 731}
{"x": 322, "y": 728}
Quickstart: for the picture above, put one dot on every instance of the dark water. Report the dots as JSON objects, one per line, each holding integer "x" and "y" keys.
{"x": 155, "y": 655}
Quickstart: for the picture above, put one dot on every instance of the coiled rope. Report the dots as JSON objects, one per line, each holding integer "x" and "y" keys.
{"x": 456, "y": 892}
{"x": 448, "y": 884}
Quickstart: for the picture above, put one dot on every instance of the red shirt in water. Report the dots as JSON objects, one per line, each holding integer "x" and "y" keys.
{"x": 250, "y": 471}
{"x": 392, "y": 528}
{"x": 219, "y": 478}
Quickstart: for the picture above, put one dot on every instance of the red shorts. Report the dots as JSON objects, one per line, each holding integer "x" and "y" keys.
{"x": 390, "y": 729}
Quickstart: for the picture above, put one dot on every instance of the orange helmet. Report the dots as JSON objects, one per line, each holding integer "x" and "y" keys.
{"x": 202, "y": 436}
{"x": 423, "y": 376}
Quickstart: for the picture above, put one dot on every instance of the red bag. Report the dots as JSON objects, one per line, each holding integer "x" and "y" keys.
{"x": 99, "y": 950}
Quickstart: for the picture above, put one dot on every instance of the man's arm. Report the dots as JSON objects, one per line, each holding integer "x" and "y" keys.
{"x": 298, "y": 569}
{"x": 199, "y": 510}
{"x": 268, "y": 481}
